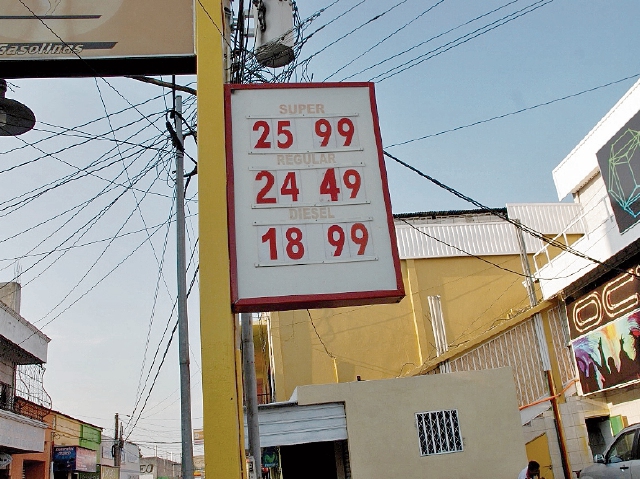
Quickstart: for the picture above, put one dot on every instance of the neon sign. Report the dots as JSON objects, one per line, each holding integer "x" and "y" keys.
{"x": 604, "y": 304}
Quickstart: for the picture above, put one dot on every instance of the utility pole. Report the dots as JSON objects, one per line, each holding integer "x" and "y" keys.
{"x": 544, "y": 351}
{"x": 115, "y": 450}
{"x": 183, "y": 321}
{"x": 251, "y": 389}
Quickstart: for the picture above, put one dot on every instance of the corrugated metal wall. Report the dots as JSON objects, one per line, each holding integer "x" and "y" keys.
{"x": 285, "y": 424}
{"x": 548, "y": 218}
{"x": 484, "y": 235}
{"x": 440, "y": 241}
{"x": 560, "y": 338}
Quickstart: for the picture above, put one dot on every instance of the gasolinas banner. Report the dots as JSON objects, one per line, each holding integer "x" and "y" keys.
{"x": 64, "y": 29}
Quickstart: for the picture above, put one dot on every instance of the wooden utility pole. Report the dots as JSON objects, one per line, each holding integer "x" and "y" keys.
{"x": 116, "y": 449}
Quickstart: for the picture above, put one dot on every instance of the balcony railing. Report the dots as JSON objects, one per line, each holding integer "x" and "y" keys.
{"x": 30, "y": 384}
{"x": 546, "y": 254}
{"x": 599, "y": 213}
{"x": 9, "y": 401}
{"x": 28, "y": 397}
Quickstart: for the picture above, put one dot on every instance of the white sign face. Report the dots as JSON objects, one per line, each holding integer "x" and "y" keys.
{"x": 310, "y": 221}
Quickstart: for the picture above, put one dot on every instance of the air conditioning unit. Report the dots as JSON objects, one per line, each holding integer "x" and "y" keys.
{"x": 273, "y": 20}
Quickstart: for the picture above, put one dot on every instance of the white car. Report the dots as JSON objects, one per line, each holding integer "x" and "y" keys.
{"x": 620, "y": 461}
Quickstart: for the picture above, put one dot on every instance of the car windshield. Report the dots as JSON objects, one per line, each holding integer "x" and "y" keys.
{"x": 622, "y": 449}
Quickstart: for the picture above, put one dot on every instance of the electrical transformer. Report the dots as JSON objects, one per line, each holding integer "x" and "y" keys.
{"x": 274, "y": 32}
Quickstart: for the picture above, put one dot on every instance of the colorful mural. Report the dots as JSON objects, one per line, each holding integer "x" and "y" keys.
{"x": 610, "y": 355}
{"x": 619, "y": 161}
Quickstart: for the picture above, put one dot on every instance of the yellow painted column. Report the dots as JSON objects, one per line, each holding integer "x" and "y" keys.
{"x": 221, "y": 386}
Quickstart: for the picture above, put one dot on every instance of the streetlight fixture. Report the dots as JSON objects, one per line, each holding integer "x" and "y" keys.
{"x": 15, "y": 118}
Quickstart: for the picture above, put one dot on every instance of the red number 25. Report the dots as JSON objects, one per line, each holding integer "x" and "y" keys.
{"x": 284, "y": 134}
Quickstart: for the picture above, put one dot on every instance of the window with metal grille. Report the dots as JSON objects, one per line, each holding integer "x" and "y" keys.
{"x": 439, "y": 432}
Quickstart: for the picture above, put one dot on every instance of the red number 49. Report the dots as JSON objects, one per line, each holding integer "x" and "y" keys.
{"x": 351, "y": 179}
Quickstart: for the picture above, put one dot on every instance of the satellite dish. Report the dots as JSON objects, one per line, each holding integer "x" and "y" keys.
{"x": 15, "y": 118}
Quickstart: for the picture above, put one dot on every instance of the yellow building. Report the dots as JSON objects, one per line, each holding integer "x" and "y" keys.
{"x": 573, "y": 350}
{"x": 463, "y": 279}
{"x": 466, "y": 308}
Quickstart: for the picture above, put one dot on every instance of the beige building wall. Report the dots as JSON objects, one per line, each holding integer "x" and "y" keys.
{"x": 66, "y": 431}
{"x": 383, "y": 436}
{"x": 625, "y": 402}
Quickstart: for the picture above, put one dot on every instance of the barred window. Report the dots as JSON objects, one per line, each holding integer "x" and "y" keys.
{"x": 439, "y": 432}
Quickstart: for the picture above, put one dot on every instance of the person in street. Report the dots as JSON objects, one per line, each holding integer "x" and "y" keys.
{"x": 532, "y": 471}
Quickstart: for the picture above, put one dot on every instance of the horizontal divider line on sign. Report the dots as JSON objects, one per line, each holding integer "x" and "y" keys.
{"x": 302, "y": 152}
{"x": 319, "y": 220}
{"x": 308, "y": 205}
{"x": 299, "y": 263}
{"x": 311, "y": 166}
{"x": 304, "y": 115}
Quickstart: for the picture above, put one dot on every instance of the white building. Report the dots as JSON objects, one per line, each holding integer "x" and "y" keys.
{"x": 23, "y": 350}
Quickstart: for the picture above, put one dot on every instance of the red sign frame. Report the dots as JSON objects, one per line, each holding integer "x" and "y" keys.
{"x": 310, "y": 299}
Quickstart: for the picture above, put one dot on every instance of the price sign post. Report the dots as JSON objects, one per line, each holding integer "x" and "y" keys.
{"x": 310, "y": 220}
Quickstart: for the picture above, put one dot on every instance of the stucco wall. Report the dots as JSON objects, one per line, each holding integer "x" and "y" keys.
{"x": 66, "y": 431}
{"x": 383, "y": 437}
{"x": 20, "y": 432}
{"x": 10, "y": 294}
{"x": 625, "y": 402}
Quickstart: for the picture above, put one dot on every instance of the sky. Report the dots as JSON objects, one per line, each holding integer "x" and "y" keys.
{"x": 95, "y": 245}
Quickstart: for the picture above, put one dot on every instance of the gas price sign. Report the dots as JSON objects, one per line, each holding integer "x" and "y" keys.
{"x": 310, "y": 220}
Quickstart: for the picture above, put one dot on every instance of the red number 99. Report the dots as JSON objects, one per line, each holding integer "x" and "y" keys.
{"x": 360, "y": 236}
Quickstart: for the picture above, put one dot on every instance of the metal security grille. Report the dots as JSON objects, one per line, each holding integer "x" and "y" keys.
{"x": 561, "y": 344}
{"x": 439, "y": 432}
{"x": 517, "y": 348}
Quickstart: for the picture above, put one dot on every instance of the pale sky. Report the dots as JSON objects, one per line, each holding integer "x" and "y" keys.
{"x": 98, "y": 317}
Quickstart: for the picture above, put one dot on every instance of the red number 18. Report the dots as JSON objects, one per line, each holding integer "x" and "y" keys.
{"x": 294, "y": 248}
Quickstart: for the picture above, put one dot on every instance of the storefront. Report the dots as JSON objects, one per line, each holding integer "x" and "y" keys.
{"x": 74, "y": 462}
